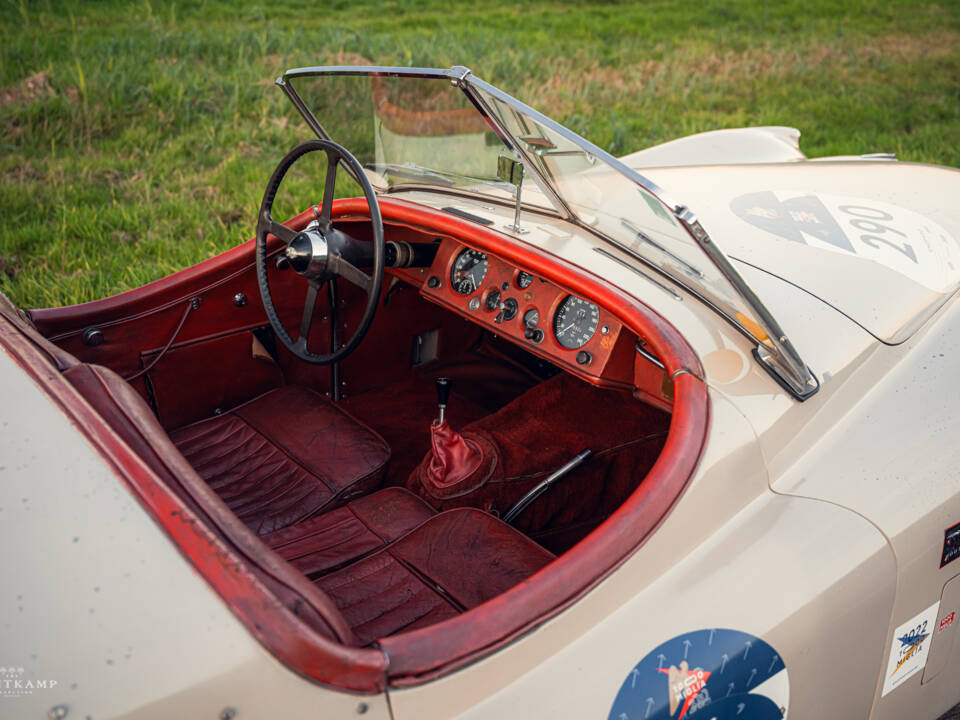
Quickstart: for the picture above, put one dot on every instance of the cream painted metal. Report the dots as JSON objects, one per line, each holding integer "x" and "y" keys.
{"x": 813, "y": 571}
{"x": 816, "y": 526}
{"x": 884, "y": 265}
{"x": 730, "y": 146}
{"x": 96, "y": 598}
{"x": 732, "y": 554}
{"x": 830, "y": 449}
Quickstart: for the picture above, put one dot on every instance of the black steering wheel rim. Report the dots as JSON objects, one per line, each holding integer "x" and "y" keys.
{"x": 336, "y": 265}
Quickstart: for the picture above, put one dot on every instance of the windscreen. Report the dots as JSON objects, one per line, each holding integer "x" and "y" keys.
{"x": 409, "y": 131}
{"x": 445, "y": 130}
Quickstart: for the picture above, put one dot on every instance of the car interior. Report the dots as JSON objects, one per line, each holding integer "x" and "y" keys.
{"x": 489, "y": 420}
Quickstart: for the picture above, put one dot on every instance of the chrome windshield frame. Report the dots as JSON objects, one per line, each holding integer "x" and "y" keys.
{"x": 457, "y": 75}
{"x": 776, "y": 353}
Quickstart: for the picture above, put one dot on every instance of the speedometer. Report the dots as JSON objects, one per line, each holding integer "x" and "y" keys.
{"x": 575, "y": 322}
{"x": 469, "y": 270}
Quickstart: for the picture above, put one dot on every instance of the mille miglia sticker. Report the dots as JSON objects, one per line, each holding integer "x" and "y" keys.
{"x": 711, "y": 674}
{"x": 911, "y": 645}
{"x": 951, "y": 545}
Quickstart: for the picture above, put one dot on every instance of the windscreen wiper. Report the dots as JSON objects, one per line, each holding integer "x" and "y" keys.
{"x": 409, "y": 171}
{"x": 641, "y": 235}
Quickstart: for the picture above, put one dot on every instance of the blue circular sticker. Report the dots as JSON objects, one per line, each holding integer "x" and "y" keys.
{"x": 711, "y": 674}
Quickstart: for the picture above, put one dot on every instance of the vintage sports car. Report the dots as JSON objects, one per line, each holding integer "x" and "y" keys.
{"x": 494, "y": 428}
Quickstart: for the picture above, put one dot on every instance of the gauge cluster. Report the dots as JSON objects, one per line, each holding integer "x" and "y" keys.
{"x": 514, "y": 303}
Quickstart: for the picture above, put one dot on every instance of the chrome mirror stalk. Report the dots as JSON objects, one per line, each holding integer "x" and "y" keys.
{"x": 510, "y": 170}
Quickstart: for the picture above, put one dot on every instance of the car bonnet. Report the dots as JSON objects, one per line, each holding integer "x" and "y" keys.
{"x": 879, "y": 241}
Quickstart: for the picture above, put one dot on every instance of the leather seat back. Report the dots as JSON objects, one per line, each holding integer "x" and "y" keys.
{"x": 130, "y": 417}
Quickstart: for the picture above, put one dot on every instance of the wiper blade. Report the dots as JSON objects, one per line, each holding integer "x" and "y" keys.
{"x": 641, "y": 235}
{"x": 410, "y": 171}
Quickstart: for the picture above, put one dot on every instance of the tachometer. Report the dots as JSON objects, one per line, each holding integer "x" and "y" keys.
{"x": 469, "y": 270}
{"x": 575, "y": 322}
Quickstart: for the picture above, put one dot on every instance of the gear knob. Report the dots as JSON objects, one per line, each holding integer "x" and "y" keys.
{"x": 443, "y": 395}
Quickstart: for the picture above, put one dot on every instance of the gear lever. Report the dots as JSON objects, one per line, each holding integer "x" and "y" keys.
{"x": 443, "y": 395}
{"x": 455, "y": 464}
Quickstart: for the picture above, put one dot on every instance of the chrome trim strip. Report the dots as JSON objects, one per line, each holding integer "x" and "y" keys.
{"x": 791, "y": 368}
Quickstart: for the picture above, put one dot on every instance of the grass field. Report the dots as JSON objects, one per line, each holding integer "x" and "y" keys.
{"x": 136, "y": 138}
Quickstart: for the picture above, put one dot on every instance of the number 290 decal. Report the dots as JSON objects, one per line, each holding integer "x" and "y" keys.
{"x": 892, "y": 236}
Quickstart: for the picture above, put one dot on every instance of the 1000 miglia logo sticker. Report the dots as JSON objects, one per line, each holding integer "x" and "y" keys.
{"x": 714, "y": 674}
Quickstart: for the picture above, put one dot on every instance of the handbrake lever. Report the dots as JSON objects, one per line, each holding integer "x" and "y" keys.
{"x": 510, "y": 515}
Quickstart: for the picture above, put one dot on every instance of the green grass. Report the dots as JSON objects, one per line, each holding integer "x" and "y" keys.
{"x": 150, "y": 150}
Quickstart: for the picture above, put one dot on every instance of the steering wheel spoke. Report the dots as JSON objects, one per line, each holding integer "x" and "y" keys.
{"x": 309, "y": 305}
{"x": 350, "y": 273}
{"x": 329, "y": 184}
{"x": 280, "y": 230}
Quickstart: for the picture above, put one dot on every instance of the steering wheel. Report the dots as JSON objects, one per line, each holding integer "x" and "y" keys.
{"x": 320, "y": 253}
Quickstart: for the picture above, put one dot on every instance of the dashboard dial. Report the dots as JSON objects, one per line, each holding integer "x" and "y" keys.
{"x": 493, "y": 300}
{"x": 510, "y": 308}
{"x": 469, "y": 270}
{"x": 575, "y": 322}
{"x": 524, "y": 280}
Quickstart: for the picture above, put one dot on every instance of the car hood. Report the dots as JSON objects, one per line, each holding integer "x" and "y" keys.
{"x": 879, "y": 241}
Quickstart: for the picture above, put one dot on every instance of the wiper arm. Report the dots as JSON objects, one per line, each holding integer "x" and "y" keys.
{"x": 641, "y": 235}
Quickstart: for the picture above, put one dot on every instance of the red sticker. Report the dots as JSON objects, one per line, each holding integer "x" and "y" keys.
{"x": 947, "y": 621}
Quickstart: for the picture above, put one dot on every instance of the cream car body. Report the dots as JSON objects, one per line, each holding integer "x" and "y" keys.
{"x": 815, "y": 525}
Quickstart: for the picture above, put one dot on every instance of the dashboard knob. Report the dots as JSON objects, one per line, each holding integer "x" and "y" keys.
{"x": 584, "y": 358}
{"x": 433, "y": 282}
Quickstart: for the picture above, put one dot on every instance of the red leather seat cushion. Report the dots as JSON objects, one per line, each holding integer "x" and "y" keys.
{"x": 284, "y": 457}
{"x": 452, "y": 562}
{"x": 473, "y": 556}
{"x": 346, "y": 534}
{"x": 379, "y": 596}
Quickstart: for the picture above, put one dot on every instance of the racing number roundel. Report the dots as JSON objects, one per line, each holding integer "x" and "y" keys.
{"x": 715, "y": 674}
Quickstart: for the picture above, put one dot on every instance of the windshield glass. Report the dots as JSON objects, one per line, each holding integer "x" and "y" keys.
{"x": 445, "y": 130}
{"x": 412, "y": 132}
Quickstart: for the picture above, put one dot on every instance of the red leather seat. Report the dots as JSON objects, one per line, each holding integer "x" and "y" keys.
{"x": 451, "y": 563}
{"x": 346, "y": 534}
{"x": 375, "y": 566}
{"x": 287, "y": 463}
{"x": 284, "y": 457}
{"x": 390, "y": 562}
